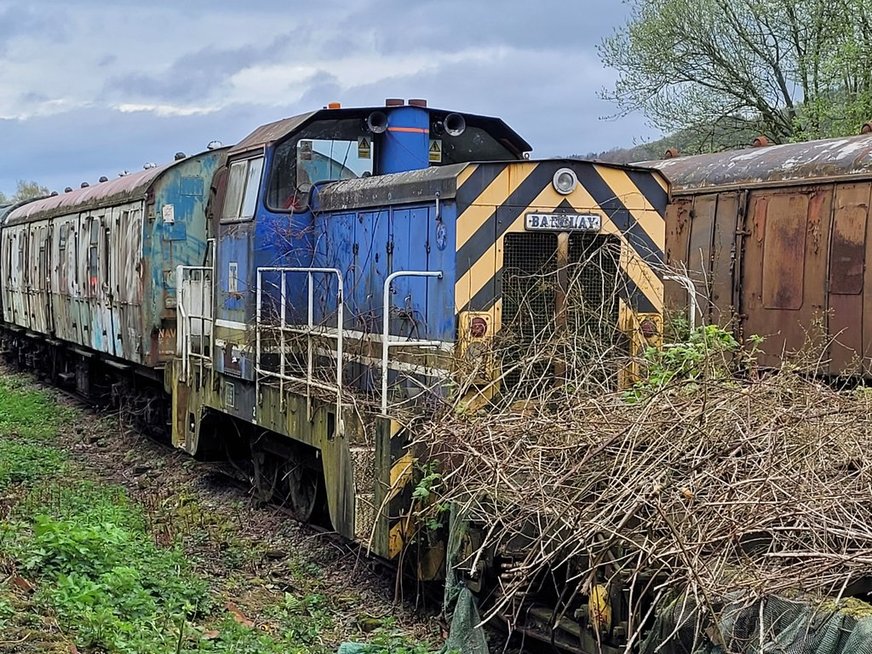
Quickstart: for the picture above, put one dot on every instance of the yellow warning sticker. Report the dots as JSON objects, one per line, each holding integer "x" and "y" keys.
{"x": 305, "y": 152}
{"x": 364, "y": 147}
{"x": 435, "y": 150}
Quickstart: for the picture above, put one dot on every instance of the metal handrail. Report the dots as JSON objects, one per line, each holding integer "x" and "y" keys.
{"x": 690, "y": 287}
{"x": 386, "y": 336}
{"x": 310, "y": 331}
{"x": 185, "y": 320}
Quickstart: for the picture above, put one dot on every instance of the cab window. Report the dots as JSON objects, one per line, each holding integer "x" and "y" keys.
{"x": 240, "y": 200}
{"x": 327, "y": 150}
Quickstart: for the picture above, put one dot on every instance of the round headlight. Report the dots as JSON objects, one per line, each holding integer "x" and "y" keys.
{"x": 565, "y": 181}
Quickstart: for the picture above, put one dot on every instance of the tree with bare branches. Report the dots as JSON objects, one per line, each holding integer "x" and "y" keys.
{"x": 789, "y": 69}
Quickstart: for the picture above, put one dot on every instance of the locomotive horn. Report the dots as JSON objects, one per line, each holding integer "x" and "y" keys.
{"x": 377, "y": 122}
{"x": 454, "y": 124}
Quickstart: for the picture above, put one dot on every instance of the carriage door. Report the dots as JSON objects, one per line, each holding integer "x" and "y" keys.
{"x": 43, "y": 286}
{"x": 104, "y": 290}
{"x": 98, "y": 283}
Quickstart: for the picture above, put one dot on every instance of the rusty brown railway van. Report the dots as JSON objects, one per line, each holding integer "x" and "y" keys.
{"x": 776, "y": 241}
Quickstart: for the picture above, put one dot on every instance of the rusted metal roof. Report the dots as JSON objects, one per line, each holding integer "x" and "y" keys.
{"x": 7, "y": 209}
{"x": 791, "y": 163}
{"x": 120, "y": 189}
{"x": 422, "y": 185}
{"x": 270, "y": 133}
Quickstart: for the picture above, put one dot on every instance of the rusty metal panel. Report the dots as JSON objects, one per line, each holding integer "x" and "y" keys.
{"x": 847, "y": 257}
{"x": 700, "y": 248}
{"x": 678, "y": 226}
{"x": 848, "y": 250}
{"x": 783, "y": 266}
{"x": 723, "y": 257}
{"x": 867, "y": 294}
{"x": 784, "y": 251}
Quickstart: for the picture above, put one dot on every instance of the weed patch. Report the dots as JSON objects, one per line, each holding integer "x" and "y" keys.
{"x": 90, "y": 565}
{"x": 27, "y": 413}
{"x": 99, "y": 571}
{"x": 21, "y": 462}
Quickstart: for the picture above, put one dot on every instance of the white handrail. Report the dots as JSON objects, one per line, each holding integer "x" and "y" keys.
{"x": 386, "y": 319}
{"x": 185, "y": 320}
{"x": 310, "y": 331}
{"x": 690, "y": 287}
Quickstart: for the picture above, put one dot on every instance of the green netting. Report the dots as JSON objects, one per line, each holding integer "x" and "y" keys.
{"x": 464, "y": 636}
{"x": 458, "y": 602}
{"x": 769, "y": 626}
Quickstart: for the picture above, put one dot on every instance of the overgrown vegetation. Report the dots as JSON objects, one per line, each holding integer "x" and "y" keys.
{"x": 731, "y": 489}
{"x": 86, "y": 571}
{"x": 708, "y": 352}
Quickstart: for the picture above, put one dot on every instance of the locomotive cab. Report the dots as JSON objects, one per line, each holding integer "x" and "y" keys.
{"x": 372, "y": 264}
{"x": 339, "y": 144}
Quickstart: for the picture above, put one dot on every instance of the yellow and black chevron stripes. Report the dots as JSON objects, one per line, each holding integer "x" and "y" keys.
{"x": 493, "y": 199}
{"x": 399, "y": 495}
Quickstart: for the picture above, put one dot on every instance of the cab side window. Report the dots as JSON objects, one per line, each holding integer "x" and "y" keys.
{"x": 240, "y": 201}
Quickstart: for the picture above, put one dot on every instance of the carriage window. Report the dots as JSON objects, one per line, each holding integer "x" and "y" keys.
{"x": 240, "y": 200}
{"x": 324, "y": 151}
{"x": 62, "y": 256}
{"x": 92, "y": 253}
{"x": 21, "y": 269}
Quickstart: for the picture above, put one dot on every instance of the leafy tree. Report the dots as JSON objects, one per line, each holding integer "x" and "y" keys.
{"x": 3, "y": 198}
{"x": 27, "y": 190}
{"x": 789, "y": 69}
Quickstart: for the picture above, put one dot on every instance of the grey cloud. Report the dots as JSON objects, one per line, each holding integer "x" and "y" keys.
{"x": 17, "y": 20}
{"x": 445, "y": 25}
{"x": 559, "y": 114}
{"x": 32, "y": 97}
{"x": 321, "y": 87}
{"x": 542, "y": 86}
{"x": 196, "y": 74}
{"x": 81, "y": 145}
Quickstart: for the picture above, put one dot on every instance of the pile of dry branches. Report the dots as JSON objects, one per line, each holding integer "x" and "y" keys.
{"x": 762, "y": 486}
{"x": 721, "y": 486}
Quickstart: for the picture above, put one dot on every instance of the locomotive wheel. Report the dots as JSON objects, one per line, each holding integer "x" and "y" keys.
{"x": 304, "y": 490}
{"x": 266, "y": 475}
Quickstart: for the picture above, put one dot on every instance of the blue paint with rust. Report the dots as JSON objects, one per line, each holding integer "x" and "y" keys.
{"x": 406, "y": 143}
{"x": 365, "y": 245}
{"x": 167, "y": 245}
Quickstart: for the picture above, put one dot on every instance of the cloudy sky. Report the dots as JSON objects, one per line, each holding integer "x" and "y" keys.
{"x": 90, "y": 88}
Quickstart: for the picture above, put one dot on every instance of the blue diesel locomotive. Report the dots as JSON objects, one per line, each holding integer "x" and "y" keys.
{"x": 305, "y": 296}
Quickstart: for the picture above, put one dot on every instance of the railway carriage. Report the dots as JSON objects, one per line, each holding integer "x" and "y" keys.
{"x": 89, "y": 275}
{"x": 776, "y": 241}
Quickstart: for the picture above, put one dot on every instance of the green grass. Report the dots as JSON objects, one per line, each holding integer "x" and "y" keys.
{"x": 28, "y": 413}
{"x": 98, "y": 573}
{"x": 21, "y": 462}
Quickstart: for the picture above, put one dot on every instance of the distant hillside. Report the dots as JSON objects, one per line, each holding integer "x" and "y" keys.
{"x": 716, "y": 138}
